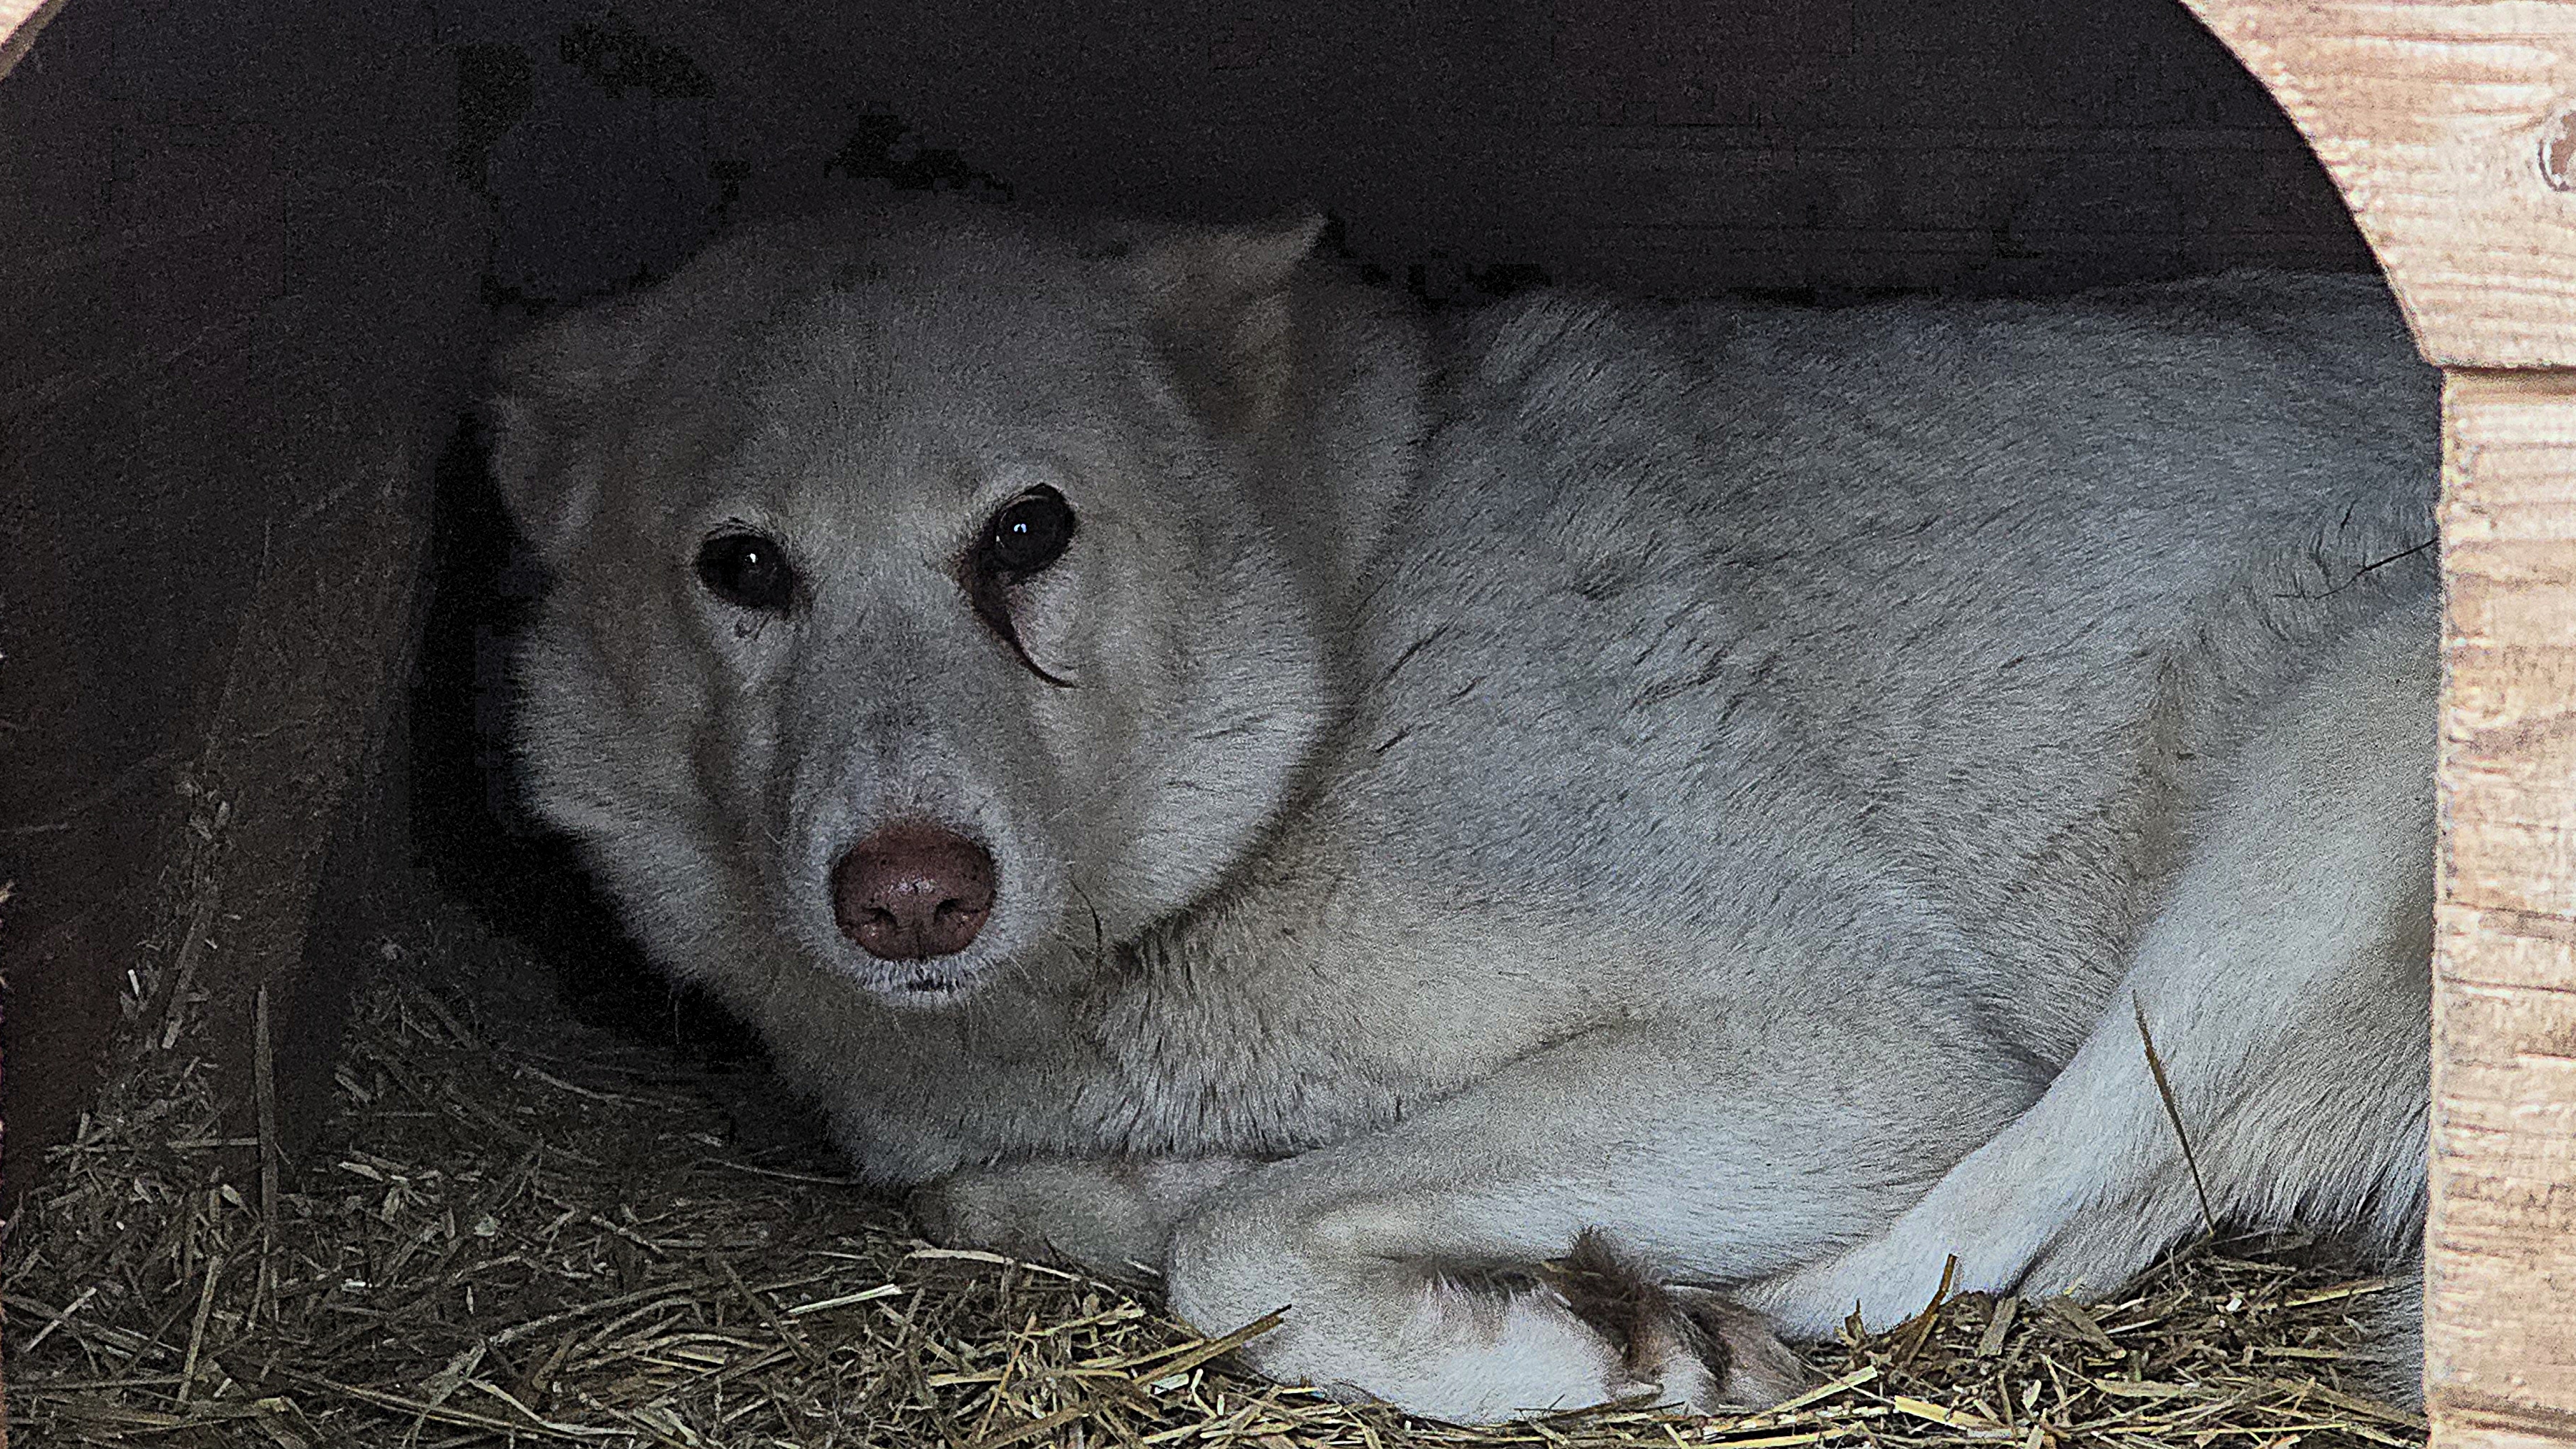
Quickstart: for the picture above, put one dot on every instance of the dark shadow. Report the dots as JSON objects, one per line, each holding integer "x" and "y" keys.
{"x": 470, "y": 827}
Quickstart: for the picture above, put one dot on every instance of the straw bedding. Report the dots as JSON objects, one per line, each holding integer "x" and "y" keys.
{"x": 523, "y": 1231}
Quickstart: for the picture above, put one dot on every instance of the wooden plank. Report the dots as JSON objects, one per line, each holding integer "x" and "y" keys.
{"x": 2500, "y": 1281}
{"x": 2509, "y": 527}
{"x": 2011, "y": 146}
{"x": 2450, "y": 126}
{"x": 2470, "y": 1430}
{"x": 20, "y": 20}
{"x": 233, "y": 357}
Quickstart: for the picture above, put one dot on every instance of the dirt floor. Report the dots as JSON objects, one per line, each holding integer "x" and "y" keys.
{"x": 525, "y": 1230}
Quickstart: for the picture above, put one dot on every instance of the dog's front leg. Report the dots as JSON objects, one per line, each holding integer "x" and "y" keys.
{"x": 1112, "y": 1216}
{"x": 1498, "y": 1253}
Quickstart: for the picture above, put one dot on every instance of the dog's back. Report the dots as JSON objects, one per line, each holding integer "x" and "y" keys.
{"x": 1958, "y": 603}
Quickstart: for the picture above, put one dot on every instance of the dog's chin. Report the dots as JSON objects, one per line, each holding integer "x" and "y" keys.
{"x": 918, "y": 985}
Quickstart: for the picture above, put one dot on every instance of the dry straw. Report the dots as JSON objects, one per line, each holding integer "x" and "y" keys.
{"x": 521, "y": 1232}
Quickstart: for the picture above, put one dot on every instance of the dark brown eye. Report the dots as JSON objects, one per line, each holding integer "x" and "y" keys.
{"x": 748, "y": 571}
{"x": 1029, "y": 533}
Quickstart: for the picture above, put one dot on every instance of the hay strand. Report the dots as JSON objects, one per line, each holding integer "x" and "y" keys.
{"x": 2173, "y": 1112}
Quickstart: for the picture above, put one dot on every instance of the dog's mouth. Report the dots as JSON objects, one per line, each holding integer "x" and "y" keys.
{"x": 917, "y": 985}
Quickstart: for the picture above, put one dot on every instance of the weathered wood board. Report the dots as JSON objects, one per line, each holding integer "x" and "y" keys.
{"x": 241, "y": 316}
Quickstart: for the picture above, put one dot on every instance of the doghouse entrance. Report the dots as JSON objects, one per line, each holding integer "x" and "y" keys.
{"x": 532, "y": 1195}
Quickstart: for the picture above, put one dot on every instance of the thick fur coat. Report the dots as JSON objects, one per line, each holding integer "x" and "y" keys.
{"x": 1678, "y": 807}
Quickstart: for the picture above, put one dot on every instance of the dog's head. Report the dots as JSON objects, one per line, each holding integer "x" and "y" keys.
{"x": 918, "y": 604}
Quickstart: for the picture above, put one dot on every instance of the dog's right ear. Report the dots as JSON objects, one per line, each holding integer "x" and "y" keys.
{"x": 549, "y": 388}
{"x": 1220, "y": 310}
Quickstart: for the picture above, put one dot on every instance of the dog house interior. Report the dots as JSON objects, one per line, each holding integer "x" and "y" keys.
{"x": 340, "y": 1111}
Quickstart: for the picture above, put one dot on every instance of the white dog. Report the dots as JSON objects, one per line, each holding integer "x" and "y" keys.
{"x": 1550, "y": 847}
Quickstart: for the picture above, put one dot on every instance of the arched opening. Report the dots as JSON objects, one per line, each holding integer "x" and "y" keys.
{"x": 311, "y": 240}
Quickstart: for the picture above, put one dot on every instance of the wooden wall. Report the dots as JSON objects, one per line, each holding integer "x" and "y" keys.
{"x": 241, "y": 308}
{"x": 1806, "y": 145}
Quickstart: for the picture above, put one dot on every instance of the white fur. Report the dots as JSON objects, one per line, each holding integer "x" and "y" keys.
{"x": 2293, "y": 1040}
{"x": 1716, "y": 775}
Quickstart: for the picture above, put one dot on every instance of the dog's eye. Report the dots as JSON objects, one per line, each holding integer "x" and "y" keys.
{"x": 748, "y": 571}
{"x": 1028, "y": 534}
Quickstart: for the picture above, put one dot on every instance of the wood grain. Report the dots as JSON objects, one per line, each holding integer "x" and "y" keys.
{"x": 2450, "y": 126}
{"x": 2500, "y": 1284}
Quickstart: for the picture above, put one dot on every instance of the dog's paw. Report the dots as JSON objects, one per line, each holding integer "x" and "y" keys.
{"x": 954, "y": 1212}
{"x": 1891, "y": 1278}
{"x": 1112, "y": 1217}
{"x": 1044, "y": 1211}
{"x": 1692, "y": 1348}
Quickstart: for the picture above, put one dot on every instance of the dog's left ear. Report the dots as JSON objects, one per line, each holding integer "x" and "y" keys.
{"x": 1221, "y": 313}
{"x": 548, "y": 389}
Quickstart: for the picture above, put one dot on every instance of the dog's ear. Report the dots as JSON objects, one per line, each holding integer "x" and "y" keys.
{"x": 549, "y": 389}
{"x": 1220, "y": 311}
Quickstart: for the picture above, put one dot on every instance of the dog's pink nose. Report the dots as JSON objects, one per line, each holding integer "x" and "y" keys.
{"x": 913, "y": 891}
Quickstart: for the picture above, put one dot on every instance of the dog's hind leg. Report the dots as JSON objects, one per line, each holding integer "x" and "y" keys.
{"x": 2286, "y": 988}
{"x": 1510, "y": 1248}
